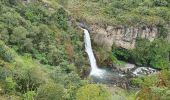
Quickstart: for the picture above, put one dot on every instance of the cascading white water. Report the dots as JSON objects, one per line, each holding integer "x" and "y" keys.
{"x": 95, "y": 71}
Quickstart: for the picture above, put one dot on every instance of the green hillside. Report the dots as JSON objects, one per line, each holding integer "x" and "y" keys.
{"x": 121, "y": 12}
{"x": 42, "y": 54}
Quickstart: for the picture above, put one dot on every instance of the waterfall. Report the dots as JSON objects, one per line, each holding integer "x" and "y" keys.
{"x": 95, "y": 71}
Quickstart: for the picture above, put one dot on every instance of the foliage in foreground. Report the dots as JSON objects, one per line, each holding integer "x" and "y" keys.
{"x": 92, "y": 92}
{"x": 155, "y": 87}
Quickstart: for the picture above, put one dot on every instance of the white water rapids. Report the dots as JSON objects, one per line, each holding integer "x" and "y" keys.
{"x": 95, "y": 71}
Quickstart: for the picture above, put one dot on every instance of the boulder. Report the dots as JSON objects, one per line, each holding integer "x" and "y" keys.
{"x": 143, "y": 71}
{"x": 124, "y": 68}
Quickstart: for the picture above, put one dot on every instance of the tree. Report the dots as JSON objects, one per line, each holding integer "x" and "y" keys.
{"x": 160, "y": 2}
{"x": 19, "y": 38}
{"x": 5, "y": 52}
{"x": 159, "y": 49}
{"x": 19, "y": 35}
{"x": 35, "y": 12}
{"x": 14, "y": 2}
{"x": 4, "y": 36}
{"x": 162, "y": 31}
{"x": 152, "y": 54}
{"x": 141, "y": 52}
{"x": 154, "y": 87}
{"x": 28, "y": 79}
{"x": 92, "y": 92}
{"x": 50, "y": 91}
{"x": 29, "y": 95}
{"x": 60, "y": 18}
{"x": 9, "y": 85}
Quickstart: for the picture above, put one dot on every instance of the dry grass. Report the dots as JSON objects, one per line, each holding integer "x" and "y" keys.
{"x": 84, "y": 10}
{"x": 88, "y": 11}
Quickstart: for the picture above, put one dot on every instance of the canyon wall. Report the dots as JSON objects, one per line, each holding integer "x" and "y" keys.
{"x": 121, "y": 36}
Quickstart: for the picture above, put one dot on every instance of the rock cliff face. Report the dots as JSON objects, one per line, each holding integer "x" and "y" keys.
{"x": 121, "y": 36}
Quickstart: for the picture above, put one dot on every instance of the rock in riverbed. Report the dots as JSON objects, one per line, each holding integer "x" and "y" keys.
{"x": 143, "y": 71}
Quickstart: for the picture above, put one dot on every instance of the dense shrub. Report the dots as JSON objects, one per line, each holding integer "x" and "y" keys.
{"x": 9, "y": 85}
{"x": 34, "y": 40}
{"x": 154, "y": 87}
{"x": 60, "y": 19}
{"x": 5, "y": 53}
{"x": 143, "y": 9}
{"x": 34, "y": 12}
{"x": 154, "y": 54}
{"x": 51, "y": 91}
{"x": 122, "y": 54}
{"x": 92, "y": 92}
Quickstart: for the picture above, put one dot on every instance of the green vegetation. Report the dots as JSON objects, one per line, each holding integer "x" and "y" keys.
{"x": 155, "y": 87}
{"x": 92, "y": 92}
{"x": 146, "y": 53}
{"x": 154, "y": 54}
{"x": 42, "y": 53}
{"x": 122, "y": 12}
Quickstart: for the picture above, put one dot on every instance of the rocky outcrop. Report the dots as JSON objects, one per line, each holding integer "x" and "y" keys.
{"x": 143, "y": 71}
{"x": 124, "y": 68}
{"x": 121, "y": 36}
{"x": 29, "y": 1}
{"x": 26, "y": 1}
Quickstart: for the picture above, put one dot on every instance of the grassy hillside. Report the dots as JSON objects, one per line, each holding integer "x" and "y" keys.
{"x": 121, "y": 12}
{"x": 42, "y": 54}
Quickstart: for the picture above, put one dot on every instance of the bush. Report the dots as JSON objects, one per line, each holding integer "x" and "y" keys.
{"x": 5, "y": 52}
{"x": 122, "y": 54}
{"x": 51, "y": 91}
{"x": 34, "y": 12}
{"x": 29, "y": 95}
{"x": 146, "y": 53}
{"x": 14, "y": 2}
{"x": 160, "y": 2}
{"x": 162, "y": 31}
{"x": 9, "y": 85}
{"x": 60, "y": 18}
{"x": 157, "y": 54}
{"x": 155, "y": 88}
{"x": 92, "y": 92}
{"x": 18, "y": 36}
{"x": 28, "y": 79}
